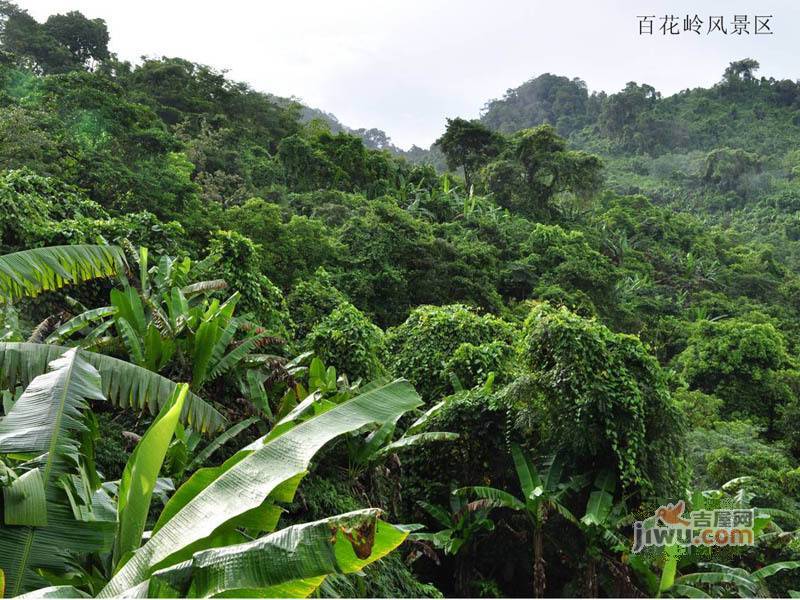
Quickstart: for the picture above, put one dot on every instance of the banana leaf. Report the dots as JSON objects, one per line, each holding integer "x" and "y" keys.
{"x": 252, "y": 475}
{"x": 45, "y": 423}
{"x": 124, "y": 384}
{"x": 31, "y": 272}
{"x": 290, "y": 563}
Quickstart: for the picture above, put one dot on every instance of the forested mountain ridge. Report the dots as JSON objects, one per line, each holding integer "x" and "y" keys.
{"x": 261, "y": 327}
{"x": 740, "y": 108}
{"x": 665, "y": 138}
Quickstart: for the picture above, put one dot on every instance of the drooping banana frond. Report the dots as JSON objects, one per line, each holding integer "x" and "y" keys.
{"x": 493, "y": 495}
{"x": 409, "y": 441}
{"x": 44, "y": 423}
{"x": 31, "y": 272}
{"x": 290, "y": 563}
{"x": 124, "y": 384}
{"x": 41, "y": 420}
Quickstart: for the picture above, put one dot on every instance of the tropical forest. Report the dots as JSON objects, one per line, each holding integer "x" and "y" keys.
{"x": 246, "y": 351}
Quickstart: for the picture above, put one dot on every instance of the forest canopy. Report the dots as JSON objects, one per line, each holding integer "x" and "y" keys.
{"x": 245, "y": 350}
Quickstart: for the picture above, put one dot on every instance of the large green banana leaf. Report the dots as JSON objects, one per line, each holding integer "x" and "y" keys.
{"x": 141, "y": 473}
{"x": 44, "y": 424}
{"x": 124, "y": 384}
{"x": 254, "y": 474}
{"x": 31, "y": 272}
{"x": 290, "y": 563}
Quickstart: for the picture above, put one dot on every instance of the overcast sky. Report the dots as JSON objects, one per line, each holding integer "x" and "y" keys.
{"x": 404, "y": 66}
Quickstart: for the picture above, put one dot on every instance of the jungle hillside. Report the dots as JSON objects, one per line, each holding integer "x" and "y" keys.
{"x": 246, "y": 351}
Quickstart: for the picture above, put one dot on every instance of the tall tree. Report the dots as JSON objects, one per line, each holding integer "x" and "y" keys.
{"x": 86, "y": 39}
{"x": 63, "y": 43}
{"x": 740, "y": 70}
{"x": 468, "y": 145}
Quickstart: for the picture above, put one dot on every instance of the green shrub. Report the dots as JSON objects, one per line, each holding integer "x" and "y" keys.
{"x": 30, "y": 204}
{"x": 238, "y": 265}
{"x": 311, "y": 300}
{"x": 606, "y": 399}
{"x": 472, "y": 364}
{"x": 348, "y": 341}
{"x": 479, "y": 456}
{"x": 420, "y": 348}
{"x": 739, "y": 362}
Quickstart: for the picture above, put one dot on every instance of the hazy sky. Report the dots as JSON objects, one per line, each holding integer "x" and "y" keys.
{"x": 403, "y": 66}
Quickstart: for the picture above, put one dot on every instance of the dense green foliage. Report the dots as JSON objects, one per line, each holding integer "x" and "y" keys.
{"x": 601, "y": 296}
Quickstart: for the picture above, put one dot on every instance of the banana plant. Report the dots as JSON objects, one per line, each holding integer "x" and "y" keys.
{"x": 51, "y": 505}
{"x": 459, "y": 525}
{"x": 139, "y": 478}
{"x": 168, "y": 324}
{"x": 216, "y": 533}
{"x": 210, "y": 509}
{"x": 124, "y": 384}
{"x": 541, "y": 494}
{"x": 665, "y": 572}
{"x": 185, "y": 454}
{"x": 381, "y": 443}
{"x": 290, "y": 563}
{"x": 326, "y": 388}
{"x": 600, "y": 524}
{"x": 720, "y": 578}
{"x": 28, "y": 273}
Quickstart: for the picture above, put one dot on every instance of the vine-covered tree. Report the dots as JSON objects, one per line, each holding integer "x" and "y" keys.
{"x": 468, "y": 145}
